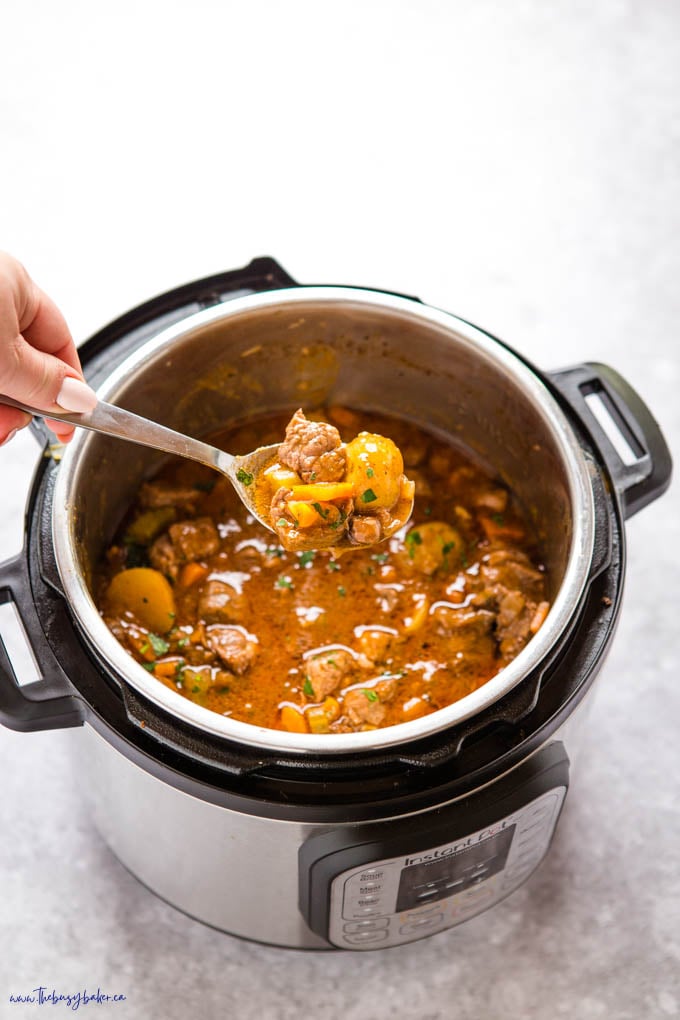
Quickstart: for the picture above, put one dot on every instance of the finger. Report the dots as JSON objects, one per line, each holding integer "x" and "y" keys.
{"x": 44, "y": 327}
{"x": 42, "y": 380}
{"x": 39, "y": 364}
{"x": 11, "y": 420}
{"x": 61, "y": 429}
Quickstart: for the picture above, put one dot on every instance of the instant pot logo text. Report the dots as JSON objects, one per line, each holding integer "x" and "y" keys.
{"x": 456, "y": 848}
{"x": 43, "y": 996}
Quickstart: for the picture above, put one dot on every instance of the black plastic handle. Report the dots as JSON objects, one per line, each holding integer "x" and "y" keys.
{"x": 50, "y": 702}
{"x": 645, "y": 473}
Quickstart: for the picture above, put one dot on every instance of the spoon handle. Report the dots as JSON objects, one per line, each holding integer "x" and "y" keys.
{"x": 116, "y": 421}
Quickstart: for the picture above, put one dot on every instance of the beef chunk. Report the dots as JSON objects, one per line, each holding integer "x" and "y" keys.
{"x": 363, "y": 705}
{"x": 163, "y": 557}
{"x": 157, "y": 494}
{"x": 513, "y": 623}
{"x": 511, "y": 570}
{"x": 195, "y": 540}
{"x": 327, "y": 671}
{"x": 234, "y": 646}
{"x": 365, "y": 530}
{"x": 220, "y": 603}
{"x": 312, "y": 449}
{"x": 493, "y": 499}
{"x": 374, "y": 644}
{"x": 469, "y": 636}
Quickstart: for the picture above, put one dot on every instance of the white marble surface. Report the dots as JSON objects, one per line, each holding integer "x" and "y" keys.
{"x": 515, "y": 163}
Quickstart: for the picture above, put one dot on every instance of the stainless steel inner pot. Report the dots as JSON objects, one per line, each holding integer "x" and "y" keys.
{"x": 281, "y": 349}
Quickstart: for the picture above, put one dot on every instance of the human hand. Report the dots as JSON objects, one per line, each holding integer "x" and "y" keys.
{"x": 39, "y": 364}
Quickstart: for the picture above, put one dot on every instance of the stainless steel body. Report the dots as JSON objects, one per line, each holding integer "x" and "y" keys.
{"x": 232, "y": 870}
{"x": 331, "y": 345}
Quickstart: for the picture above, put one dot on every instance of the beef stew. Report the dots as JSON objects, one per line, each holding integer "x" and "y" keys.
{"x": 208, "y": 601}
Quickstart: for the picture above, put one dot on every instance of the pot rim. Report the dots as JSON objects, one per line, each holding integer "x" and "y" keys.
{"x": 561, "y": 611}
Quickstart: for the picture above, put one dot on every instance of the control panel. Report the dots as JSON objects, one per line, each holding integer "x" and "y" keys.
{"x": 383, "y": 884}
{"x": 403, "y": 898}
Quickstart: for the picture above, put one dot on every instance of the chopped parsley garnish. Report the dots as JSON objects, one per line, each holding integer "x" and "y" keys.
{"x": 368, "y": 496}
{"x": 307, "y": 688}
{"x": 448, "y": 546}
{"x": 342, "y": 591}
{"x": 149, "y": 666}
{"x": 244, "y": 477}
{"x": 369, "y": 472}
{"x": 312, "y": 477}
{"x": 413, "y": 539}
{"x": 371, "y": 695}
{"x": 306, "y": 557}
{"x": 159, "y": 644}
{"x": 274, "y": 550}
{"x": 333, "y": 565}
{"x": 182, "y": 642}
{"x": 283, "y": 582}
{"x": 498, "y": 519}
{"x": 334, "y": 525}
{"x": 380, "y": 557}
{"x": 282, "y": 523}
{"x": 320, "y": 510}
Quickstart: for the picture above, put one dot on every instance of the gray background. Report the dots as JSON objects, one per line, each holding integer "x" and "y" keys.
{"x": 515, "y": 163}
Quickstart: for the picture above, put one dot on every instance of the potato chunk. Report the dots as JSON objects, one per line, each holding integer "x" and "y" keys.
{"x": 374, "y": 467}
{"x": 433, "y": 546}
{"x": 146, "y": 594}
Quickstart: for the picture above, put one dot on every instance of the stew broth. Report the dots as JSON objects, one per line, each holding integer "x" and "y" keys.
{"x": 311, "y": 643}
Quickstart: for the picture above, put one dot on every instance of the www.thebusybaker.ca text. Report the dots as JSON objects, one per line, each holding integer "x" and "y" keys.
{"x": 41, "y": 996}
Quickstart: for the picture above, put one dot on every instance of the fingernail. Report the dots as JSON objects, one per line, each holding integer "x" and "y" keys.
{"x": 75, "y": 395}
{"x": 10, "y": 437}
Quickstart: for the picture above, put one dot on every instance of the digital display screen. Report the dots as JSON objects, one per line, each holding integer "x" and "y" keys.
{"x": 426, "y": 881}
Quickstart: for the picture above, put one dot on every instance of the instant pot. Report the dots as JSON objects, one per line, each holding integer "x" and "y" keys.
{"x": 356, "y": 841}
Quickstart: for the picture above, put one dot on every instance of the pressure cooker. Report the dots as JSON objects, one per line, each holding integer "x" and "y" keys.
{"x": 360, "y": 840}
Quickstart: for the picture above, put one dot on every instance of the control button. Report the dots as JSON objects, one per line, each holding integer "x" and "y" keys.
{"x": 371, "y": 876}
{"x": 454, "y": 883}
{"x": 370, "y": 887}
{"x": 420, "y": 924}
{"x": 425, "y": 911}
{"x": 366, "y": 900}
{"x": 366, "y": 911}
{"x": 365, "y": 937}
{"x": 426, "y": 893}
{"x": 375, "y": 923}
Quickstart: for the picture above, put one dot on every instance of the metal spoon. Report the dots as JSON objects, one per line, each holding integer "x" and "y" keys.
{"x": 115, "y": 421}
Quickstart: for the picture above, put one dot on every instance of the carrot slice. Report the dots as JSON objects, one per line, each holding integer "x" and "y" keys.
{"x": 166, "y": 668}
{"x": 308, "y": 514}
{"x": 304, "y": 513}
{"x": 323, "y": 491}
{"x": 192, "y": 573}
{"x": 292, "y": 720}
